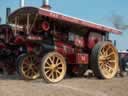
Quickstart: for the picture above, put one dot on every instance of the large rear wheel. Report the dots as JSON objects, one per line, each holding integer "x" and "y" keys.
{"x": 53, "y": 67}
{"x": 104, "y": 60}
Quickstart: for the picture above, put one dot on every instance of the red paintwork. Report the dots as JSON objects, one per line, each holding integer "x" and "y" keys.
{"x": 63, "y": 48}
{"x": 82, "y": 58}
{"x": 79, "y": 41}
{"x": 2, "y": 45}
{"x": 19, "y": 40}
{"x": 63, "y": 17}
{"x": 59, "y": 47}
{"x": 45, "y": 26}
{"x": 71, "y": 58}
{"x": 30, "y": 49}
{"x": 69, "y": 52}
{"x": 92, "y": 42}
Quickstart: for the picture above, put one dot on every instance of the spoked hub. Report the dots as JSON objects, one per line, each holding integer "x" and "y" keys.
{"x": 53, "y": 67}
{"x": 106, "y": 57}
{"x": 29, "y": 67}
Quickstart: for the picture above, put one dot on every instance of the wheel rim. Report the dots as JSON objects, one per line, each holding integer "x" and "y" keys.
{"x": 29, "y": 67}
{"x": 108, "y": 61}
{"x": 54, "y": 68}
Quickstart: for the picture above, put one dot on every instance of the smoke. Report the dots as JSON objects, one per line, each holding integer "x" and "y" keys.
{"x": 119, "y": 22}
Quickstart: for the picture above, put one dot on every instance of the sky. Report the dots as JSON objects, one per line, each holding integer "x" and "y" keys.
{"x": 98, "y": 11}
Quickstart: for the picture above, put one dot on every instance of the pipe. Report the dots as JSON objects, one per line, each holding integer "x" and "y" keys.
{"x": 0, "y": 20}
{"x": 22, "y": 3}
{"x": 46, "y": 4}
{"x": 8, "y": 11}
{"x": 115, "y": 43}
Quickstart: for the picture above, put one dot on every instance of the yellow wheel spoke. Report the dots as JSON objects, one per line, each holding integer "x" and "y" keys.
{"x": 33, "y": 73}
{"x": 108, "y": 48}
{"x": 110, "y": 70}
{"x": 103, "y": 51}
{"x": 47, "y": 71}
{"x": 101, "y": 65}
{"x": 59, "y": 68}
{"x": 27, "y": 72}
{"x": 58, "y": 72}
{"x": 101, "y": 58}
{"x": 100, "y": 62}
{"x": 57, "y": 61}
{"x": 57, "y": 75}
{"x": 47, "y": 63}
{"x": 112, "y": 61}
{"x": 51, "y": 75}
{"x": 59, "y": 64}
{"x": 51, "y": 60}
{"x": 47, "y": 67}
{"x": 110, "y": 54}
{"x": 34, "y": 70}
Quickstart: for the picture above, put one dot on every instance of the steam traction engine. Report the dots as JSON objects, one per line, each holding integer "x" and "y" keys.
{"x": 39, "y": 42}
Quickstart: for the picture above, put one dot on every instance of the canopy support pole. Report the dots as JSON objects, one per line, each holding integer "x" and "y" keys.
{"x": 28, "y": 25}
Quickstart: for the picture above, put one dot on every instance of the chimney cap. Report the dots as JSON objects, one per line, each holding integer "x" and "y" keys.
{"x": 46, "y": 7}
{"x": 46, "y": 4}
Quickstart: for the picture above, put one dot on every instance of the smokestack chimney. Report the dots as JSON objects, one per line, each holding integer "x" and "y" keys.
{"x": 8, "y": 11}
{"x": 0, "y": 20}
{"x": 46, "y": 4}
{"x": 115, "y": 43}
{"x": 22, "y": 3}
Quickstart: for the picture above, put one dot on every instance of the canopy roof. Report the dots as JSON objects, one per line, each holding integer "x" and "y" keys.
{"x": 62, "y": 17}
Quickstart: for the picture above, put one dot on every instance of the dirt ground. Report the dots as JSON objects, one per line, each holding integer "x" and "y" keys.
{"x": 12, "y": 86}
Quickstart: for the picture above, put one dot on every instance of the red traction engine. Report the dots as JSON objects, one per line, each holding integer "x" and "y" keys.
{"x": 39, "y": 42}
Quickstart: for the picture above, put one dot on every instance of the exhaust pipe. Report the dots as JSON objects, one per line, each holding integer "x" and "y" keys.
{"x": 22, "y": 3}
{"x": 0, "y": 20}
{"x": 46, "y": 4}
{"x": 115, "y": 43}
{"x": 8, "y": 11}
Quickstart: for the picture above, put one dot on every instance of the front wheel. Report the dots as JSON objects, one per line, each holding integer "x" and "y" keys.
{"x": 53, "y": 67}
{"x": 104, "y": 60}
